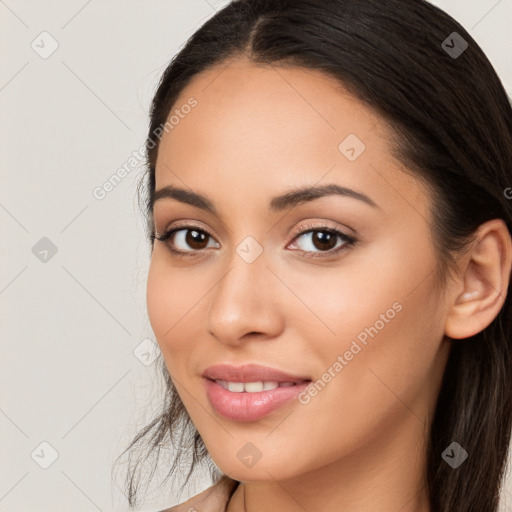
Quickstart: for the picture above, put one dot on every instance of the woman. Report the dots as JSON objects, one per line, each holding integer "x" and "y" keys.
{"x": 330, "y": 231}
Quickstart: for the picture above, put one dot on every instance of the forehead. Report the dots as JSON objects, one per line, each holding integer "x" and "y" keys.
{"x": 240, "y": 103}
{"x": 259, "y": 128}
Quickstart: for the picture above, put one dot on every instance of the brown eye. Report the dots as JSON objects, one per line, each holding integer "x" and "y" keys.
{"x": 186, "y": 240}
{"x": 195, "y": 239}
{"x": 324, "y": 240}
{"x": 318, "y": 240}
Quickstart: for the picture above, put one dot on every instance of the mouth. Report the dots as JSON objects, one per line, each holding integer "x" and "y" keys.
{"x": 250, "y": 392}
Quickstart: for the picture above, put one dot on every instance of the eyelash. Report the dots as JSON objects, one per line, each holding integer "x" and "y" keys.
{"x": 308, "y": 228}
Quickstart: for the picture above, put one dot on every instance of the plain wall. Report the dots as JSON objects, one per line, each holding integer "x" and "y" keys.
{"x": 71, "y": 321}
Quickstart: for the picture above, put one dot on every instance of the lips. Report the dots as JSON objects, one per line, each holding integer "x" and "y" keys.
{"x": 250, "y": 392}
{"x": 250, "y": 373}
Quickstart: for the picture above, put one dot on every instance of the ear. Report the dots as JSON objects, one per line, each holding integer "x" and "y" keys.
{"x": 482, "y": 286}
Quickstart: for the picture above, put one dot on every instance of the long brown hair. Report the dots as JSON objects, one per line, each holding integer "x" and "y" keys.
{"x": 452, "y": 122}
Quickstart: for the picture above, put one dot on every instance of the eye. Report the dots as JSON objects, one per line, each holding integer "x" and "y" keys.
{"x": 191, "y": 236}
{"x": 323, "y": 239}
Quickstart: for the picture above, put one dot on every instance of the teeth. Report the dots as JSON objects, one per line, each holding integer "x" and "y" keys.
{"x": 236, "y": 387}
{"x": 252, "y": 387}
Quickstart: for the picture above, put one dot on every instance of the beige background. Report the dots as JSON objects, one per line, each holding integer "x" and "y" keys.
{"x": 69, "y": 377}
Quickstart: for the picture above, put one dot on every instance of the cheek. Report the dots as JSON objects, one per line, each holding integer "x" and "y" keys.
{"x": 379, "y": 333}
{"x": 169, "y": 302}
{"x": 377, "y": 306}
{"x": 370, "y": 288}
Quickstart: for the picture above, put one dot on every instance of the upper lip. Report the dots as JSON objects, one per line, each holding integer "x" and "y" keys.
{"x": 249, "y": 373}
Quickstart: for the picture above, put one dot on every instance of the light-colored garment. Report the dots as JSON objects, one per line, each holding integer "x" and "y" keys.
{"x": 213, "y": 499}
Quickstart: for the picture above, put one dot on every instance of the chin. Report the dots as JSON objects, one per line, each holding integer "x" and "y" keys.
{"x": 262, "y": 470}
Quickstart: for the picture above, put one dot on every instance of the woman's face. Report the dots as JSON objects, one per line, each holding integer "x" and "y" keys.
{"x": 356, "y": 316}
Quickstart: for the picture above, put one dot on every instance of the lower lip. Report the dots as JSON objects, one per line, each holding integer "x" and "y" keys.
{"x": 249, "y": 406}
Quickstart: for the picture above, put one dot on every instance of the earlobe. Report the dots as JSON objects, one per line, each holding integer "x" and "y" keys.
{"x": 484, "y": 277}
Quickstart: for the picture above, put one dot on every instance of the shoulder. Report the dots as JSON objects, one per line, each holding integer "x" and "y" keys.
{"x": 213, "y": 499}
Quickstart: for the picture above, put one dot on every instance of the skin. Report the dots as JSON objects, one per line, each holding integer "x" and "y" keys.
{"x": 359, "y": 444}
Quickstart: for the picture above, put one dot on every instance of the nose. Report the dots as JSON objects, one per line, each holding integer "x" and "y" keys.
{"x": 246, "y": 303}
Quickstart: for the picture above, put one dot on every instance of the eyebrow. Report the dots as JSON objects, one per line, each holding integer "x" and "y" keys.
{"x": 277, "y": 204}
